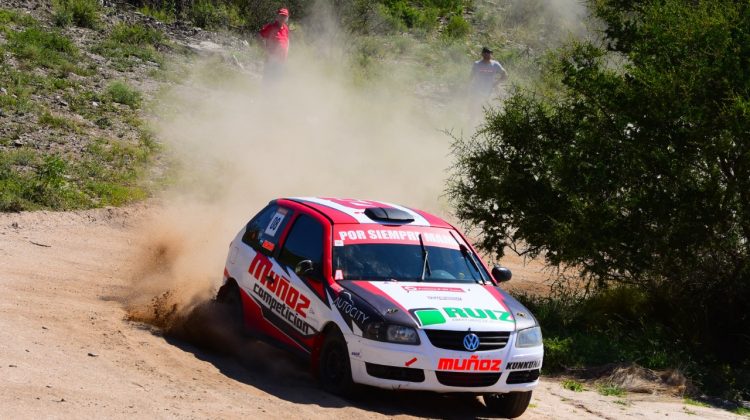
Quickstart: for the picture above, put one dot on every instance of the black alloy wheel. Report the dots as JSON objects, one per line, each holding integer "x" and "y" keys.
{"x": 335, "y": 369}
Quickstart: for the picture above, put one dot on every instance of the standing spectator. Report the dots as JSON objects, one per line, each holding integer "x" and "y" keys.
{"x": 486, "y": 74}
{"x": 275, "y": 39}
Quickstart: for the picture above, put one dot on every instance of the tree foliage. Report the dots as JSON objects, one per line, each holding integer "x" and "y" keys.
{"x": 637, "y": 170}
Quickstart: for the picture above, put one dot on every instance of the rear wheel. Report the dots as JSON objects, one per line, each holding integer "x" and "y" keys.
{"x": 335, "y": 369}
{"x": 230, "y": 305}
{"x": 509, "y": 405}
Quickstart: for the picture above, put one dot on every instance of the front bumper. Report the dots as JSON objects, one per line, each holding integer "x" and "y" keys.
{"x": 428, "y": 368}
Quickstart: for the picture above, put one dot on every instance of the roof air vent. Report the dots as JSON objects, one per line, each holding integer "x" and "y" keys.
{"x": 388, "y": 214}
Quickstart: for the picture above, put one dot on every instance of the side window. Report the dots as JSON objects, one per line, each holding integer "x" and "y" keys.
{"x": 304, "y": 242}
{"x": 264, "y": 230}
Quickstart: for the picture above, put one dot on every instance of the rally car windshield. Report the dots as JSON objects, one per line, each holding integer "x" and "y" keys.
{"x": 406, "y": 263}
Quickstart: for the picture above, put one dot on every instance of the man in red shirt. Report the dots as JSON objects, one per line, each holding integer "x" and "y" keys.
{"x": 275, "y": 39}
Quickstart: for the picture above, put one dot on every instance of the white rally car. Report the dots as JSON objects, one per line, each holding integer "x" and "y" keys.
{"x": 378, "y": 294}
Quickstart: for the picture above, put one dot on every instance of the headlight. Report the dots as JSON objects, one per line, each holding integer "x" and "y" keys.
{"x": 391, "y": 333}
{"x": 530, "y": 337}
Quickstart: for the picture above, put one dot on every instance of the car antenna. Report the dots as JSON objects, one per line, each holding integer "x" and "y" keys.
{"x": 425, "y": 260}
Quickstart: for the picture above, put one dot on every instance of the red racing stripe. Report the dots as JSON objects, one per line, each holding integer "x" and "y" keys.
{"x": 376, "y": 291}
{"x": 498, "y": 297}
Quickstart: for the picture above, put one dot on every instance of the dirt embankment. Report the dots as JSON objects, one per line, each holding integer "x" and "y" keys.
{"x": 67, "y": 348}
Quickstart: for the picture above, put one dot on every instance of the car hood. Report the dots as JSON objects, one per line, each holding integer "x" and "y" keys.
{"x": 443, "y": 306}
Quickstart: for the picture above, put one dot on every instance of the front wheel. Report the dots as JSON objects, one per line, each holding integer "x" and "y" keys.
{"x": 335, "y": 369}
{"x": 509, "y": 405}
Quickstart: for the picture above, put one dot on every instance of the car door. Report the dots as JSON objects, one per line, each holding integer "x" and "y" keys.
{"x": 264, "y": 281}
{"x": 303, "y": 248}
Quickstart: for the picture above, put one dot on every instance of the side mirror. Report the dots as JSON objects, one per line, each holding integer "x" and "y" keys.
{"x": 501, "y": 274}
{"x": 304, "y": 268}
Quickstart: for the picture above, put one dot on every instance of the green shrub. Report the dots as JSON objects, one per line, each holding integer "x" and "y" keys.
{"x": 619, "y": 326}
{"x": 62, "y": 17}
{"x": 210, "y": 15}
{"x": 137, "y": 34}
{"x": 39, "y": 47}
{"x": 572, "y": 385}
{"x": 57, "y": 122}
{"x": 610, "y": 390}
{"x": 690, "y": 401}
{"x": 127, "y": 44}
{"x": 123, "y": 94}
{"x": 12, "y": 16}
{"x": 557, "y": 353}
{"x": 50, "y": 188}
{"x": 110, "y": 193}
{"x": 427, "y": 20}
{"x": 404, "y": 12}
{"x": 424, "y": 19}
{"x": 165, "y": 14}
{"x": 82, "y": 13}
{"x": 456, "y": 28}
{"x": 622, "y": 172}
{"x": 384, "y": 22}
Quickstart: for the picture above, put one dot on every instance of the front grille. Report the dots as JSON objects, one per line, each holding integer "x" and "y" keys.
{"x": 522, "y": 376}
{"x": 395, "y": 373}
{"x": 454, "y": 340}
{"x": 464, "y": 379}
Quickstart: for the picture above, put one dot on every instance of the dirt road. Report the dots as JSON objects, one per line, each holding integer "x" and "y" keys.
{"x": 68, "y": 351}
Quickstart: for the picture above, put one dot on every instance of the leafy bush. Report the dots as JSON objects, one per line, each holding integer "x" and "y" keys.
{"x": 12, "y": 16}
{"x": 424, "y": 18}
{"x": 166, "y": 15}
{"x": 39, "y": 47}
{"x": 456, "y": 28}
{"x": 635, "y": 172}
{"x": 126, "y": 45}
{"x": 420, "y": 17}
{"x": 137, "y": 34}
{"x": 123, "y": 94}
{"x": 49, "y": 187}
{"x": 107, "y": 173}
{"x": 610, "y": 390}
{"x": 617, "y": 325}
{"x": 82, "y": 13}
{"x": 572, "y": 385}
{"x": 210, "y": 15}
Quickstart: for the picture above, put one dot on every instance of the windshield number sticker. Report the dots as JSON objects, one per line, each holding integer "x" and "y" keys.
{"x": 275, "y": 222}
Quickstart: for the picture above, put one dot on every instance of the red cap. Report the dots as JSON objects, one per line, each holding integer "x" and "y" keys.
{"x": 284, "y": 12}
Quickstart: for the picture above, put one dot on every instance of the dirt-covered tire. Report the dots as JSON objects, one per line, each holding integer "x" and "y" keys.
{"x": 334, "y": 367}
{"x": 229, "y": 302}
{"x": 509, "y": 405}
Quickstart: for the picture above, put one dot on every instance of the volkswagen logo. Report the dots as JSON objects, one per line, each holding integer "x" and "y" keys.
{"x": 471, "y": 342}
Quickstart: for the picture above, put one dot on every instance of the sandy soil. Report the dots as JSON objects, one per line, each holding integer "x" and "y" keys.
{"x": 67, "y": 349}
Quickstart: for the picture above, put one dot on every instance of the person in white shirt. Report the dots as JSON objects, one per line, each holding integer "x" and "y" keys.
{"x": 486, "y": 74}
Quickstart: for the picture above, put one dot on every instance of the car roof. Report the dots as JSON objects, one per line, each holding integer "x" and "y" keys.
{"x": 354, "y": 211}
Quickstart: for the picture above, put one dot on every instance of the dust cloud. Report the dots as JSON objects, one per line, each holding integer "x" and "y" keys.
{"x": 329, "y": 127}
{"x": 238, "y": 142}
{"x": 570, "y": 14}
